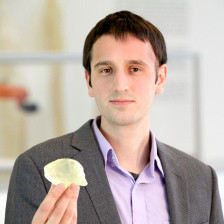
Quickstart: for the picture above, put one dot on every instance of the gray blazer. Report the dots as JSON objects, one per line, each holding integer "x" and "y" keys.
{"x": 192, "y": 188}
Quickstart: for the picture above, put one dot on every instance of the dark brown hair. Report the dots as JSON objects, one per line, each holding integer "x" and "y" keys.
{"x": 120, "y": 24}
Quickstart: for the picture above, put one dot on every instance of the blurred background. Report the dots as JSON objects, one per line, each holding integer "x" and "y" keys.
{"x": 42, "y": 86}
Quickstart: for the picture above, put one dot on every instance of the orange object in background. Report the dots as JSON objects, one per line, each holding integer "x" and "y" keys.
{"x": 13, "y": 92}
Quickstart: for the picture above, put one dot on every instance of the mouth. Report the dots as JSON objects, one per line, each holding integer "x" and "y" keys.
{"x": 121, "y": 102}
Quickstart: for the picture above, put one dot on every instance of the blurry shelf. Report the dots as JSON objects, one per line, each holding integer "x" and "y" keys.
{"x": 39, "y": 57}
{"x": 58, "y": 57}
{"x": 182, "y": 55}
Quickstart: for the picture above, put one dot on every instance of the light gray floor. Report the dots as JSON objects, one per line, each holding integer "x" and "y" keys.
{"x": 3, "y": 192}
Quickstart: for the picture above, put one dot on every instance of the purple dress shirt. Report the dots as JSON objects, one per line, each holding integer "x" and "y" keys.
{"x": 142, "y": 201}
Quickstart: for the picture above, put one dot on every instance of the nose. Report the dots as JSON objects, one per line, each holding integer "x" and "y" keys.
{"x": 121, "y": 81}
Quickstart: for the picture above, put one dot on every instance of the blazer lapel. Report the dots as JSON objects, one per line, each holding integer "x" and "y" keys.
{"x": 98, "y": 186}
{"x": 176, "y": 186}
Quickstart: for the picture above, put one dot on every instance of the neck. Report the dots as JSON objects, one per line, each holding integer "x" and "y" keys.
{"x": 131, "y": 144}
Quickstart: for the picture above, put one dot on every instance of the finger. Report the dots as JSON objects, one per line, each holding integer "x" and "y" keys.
{"x": 69, "y": 212}
{"x": 70, "y": 215}
{"x": 74, "y": 219}
{"x": 52, "y": 187}
{"x": 48, "y": 203}
{"x": 62, "y": 204}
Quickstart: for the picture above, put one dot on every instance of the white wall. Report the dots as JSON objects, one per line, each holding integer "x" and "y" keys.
{"x": 207, "y": 40}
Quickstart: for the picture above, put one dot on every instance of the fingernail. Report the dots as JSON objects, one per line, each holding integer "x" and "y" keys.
{"x": 60, "y": 187}
{"x": 73, "y": 188}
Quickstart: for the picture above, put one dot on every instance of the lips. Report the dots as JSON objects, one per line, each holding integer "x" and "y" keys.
{"x": 121, "y": 102}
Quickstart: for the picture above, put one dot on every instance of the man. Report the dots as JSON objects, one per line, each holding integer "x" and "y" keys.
{"x": 132, "y": 177}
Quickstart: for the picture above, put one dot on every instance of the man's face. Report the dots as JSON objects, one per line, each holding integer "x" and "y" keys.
{"x": 123, "y": 74}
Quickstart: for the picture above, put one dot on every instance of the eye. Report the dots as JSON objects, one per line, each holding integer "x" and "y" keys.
{"x": 106, "y": 70}
{"x": 135, "y": 69}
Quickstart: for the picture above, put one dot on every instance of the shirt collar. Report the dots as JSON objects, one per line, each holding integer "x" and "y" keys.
{"x": 154, "y": 158}
{"x": 107, "y": 150}
{"x": 105, "y": 146}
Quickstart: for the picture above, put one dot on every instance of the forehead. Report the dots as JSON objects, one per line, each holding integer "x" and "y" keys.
{"x": 107, "y": 47}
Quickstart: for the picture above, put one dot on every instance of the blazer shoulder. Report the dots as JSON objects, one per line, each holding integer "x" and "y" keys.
{"x": 60, "y": 146}
{"x": 188, "y": 162}
{"x": 51, "y": 146}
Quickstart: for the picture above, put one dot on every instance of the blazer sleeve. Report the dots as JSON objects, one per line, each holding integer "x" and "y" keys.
{"x": 26, "y": 191}
{"x": 216, "y": 216}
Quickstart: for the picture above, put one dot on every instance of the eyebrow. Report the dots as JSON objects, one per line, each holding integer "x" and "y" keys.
{"x": 138, "y": 62}
{"x": 102, "y": 63}
{"x": 135, "y": 62}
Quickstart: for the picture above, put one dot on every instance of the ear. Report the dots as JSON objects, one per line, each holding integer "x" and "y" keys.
{"x": 161, "y": 82}
{"x": 90, "y": 89}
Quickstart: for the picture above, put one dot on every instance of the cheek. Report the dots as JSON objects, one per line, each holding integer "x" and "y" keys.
{"x": 98, "y": 93}
{"x": 146, "y": 89}
{"x": 101, "y": 88}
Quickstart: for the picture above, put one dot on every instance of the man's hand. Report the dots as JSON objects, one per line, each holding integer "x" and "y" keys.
{"x": 59, "y": 206}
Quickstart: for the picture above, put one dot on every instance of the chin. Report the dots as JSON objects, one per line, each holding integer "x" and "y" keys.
{"x": 122, "y": 120}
